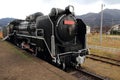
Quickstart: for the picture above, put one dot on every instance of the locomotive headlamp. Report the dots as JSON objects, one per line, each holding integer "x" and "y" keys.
{"x": 69, "y": 9}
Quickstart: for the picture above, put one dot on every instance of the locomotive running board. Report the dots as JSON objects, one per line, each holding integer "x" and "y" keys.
{"x": 5, "y": 38}
{"x": 74, "y": 52}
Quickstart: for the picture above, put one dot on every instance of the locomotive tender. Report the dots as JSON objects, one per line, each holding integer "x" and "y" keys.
{"x": 58, "y": 37}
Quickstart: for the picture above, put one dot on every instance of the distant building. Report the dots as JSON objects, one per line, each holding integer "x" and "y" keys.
{"x": 115, "y": 30}
{"x": 88, "y": 29}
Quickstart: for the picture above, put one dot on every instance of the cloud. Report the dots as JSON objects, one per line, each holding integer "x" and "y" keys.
{"x": 85, "y": 1}
{"x": 112, "y": 1}
{"x": 94, "y": 1}
{"x": 23, "y": 8}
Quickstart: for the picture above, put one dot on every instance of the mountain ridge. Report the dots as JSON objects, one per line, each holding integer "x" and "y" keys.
{"x": 110, "y": 17}
{"x": 5, "y": 21}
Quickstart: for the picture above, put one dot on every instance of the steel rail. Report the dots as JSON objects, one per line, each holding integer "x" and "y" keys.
{"x": 104, "y": 59}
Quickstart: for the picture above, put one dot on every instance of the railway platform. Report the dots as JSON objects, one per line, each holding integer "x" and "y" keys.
{"x": 15, "y": 65}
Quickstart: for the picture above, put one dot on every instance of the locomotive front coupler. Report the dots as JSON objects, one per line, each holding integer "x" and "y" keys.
{"x": 72, "y": 58}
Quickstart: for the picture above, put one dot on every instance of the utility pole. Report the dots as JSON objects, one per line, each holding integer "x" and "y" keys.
{"x": 101, "y": 23}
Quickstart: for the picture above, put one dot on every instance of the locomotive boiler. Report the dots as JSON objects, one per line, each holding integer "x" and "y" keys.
{"x": 58, "y": 37}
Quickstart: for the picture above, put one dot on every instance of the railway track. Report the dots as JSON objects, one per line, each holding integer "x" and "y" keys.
{"x": 83, "y": 74}
{"x": 104, "y": 59}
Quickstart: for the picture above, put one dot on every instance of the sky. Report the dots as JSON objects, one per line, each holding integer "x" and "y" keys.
{"x": 22, "y": 8}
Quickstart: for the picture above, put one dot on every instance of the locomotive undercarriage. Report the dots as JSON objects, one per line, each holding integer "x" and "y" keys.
{"x": 36, "y": 45}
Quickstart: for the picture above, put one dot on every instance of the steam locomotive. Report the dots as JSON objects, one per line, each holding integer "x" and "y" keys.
{"x": 58, "y": 37}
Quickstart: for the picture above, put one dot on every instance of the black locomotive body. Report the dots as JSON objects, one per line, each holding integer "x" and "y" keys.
{"x": 58, "y": 37}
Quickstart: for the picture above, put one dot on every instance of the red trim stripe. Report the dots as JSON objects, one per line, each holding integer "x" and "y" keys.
{"x": 69, "y": 22}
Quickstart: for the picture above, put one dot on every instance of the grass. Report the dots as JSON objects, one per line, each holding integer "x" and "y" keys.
{"x": 111, "y": 41}
{"x": 107, "y": 40}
